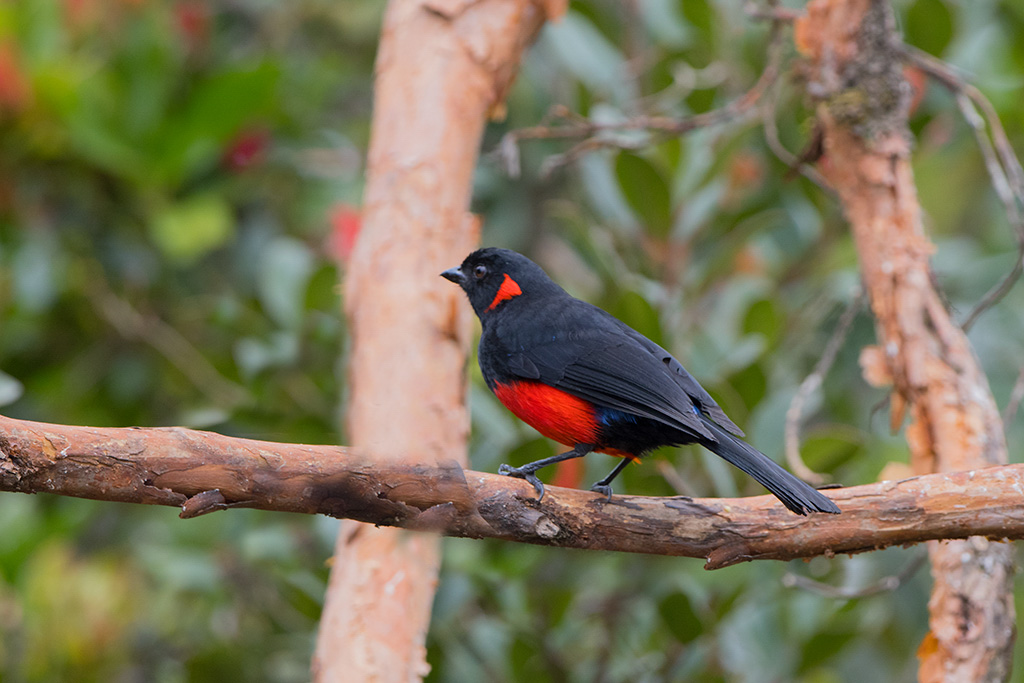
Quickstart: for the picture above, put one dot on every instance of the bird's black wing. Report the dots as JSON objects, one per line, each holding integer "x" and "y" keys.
{"x": 585, "y": 351}
{"x": 615, "y": 372}
{"x": 627, "y": 377}
{"x": 687, "y": 381}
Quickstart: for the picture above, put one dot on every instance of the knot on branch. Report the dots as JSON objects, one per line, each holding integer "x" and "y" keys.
{"x": 13, "y": 467}
{"x": 859, "y": 81}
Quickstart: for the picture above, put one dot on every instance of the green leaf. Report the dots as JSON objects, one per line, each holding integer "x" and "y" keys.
{"x": 217, "y": 109}
{"x": 763, "y": 317}
{"x": 193, "y": 227}
{"x": 823, "y": 646}
{"x": 830, "y": 448}
{"x": 701, "y": 100}
{"x": 699, "y": 15}
{"x": 929, "y": 26}
{"x": 646, "y": 191}
{"x": 680, "y": 618}
{"x": 102, "y": 144}
{"x": 589, "y": 56}
{"x": 751, "y": 383}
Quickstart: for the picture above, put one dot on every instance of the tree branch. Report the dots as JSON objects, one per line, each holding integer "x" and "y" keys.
{"x": 443, "y": 66}
{"x": 202, "y": 472}
{"x": 855, "y": 76}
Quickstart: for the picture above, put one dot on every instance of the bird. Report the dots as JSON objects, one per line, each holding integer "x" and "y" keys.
{"x": 586, "y": 380}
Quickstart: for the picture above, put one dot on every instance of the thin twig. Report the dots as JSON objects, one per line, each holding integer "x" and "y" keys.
{"x": 771, "y": 136}
{"x": 998, "y": 291}
{"x": 1001, "y": 185}
{"x": 1000, "y": 181}
{"x": 580, "y": 149}
{"x": 1016, "y": 396}
{"x": 593, "y": 133}
{"x": 1004, "y": 168}
{"x": 677, "y": 483}
{"x": 773, "y": 13}
{"x": 883, "y": 585}
{"x": 168, "y": 342}
{"x": 810, "y": 385}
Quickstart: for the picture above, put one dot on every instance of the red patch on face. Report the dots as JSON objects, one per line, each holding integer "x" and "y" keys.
{"x": 509, "y": 288}
{"x": 552, "y": 412}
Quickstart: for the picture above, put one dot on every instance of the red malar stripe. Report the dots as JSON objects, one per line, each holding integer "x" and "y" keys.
{"x": 509, "y": 288}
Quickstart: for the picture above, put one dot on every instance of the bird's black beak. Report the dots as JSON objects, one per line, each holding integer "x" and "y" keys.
{"x": 455, "y": 275}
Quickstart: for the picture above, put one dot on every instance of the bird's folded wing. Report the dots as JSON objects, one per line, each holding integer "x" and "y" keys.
{"x": 621, "y": 375}
{"x": 688, "y": 383}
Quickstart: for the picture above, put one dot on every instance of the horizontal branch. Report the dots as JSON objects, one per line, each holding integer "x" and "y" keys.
{"x": 202, "y": 472}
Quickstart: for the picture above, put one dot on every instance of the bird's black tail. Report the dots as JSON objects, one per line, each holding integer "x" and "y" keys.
{"x": 796, "y": 495}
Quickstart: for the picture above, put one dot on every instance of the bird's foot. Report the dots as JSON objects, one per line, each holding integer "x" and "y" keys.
{"x": 524, "y": 473}
{"x": 603, "y": 489}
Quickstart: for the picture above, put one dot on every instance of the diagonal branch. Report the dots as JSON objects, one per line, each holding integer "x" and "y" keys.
{"x": 854, "y": 60}
{"x": 131, "y": 323}
{"x": 811, "y": 384}
{"x": 203, "y": 472}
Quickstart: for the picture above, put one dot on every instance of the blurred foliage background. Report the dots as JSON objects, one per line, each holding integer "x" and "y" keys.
{"x": 179, "y": 188}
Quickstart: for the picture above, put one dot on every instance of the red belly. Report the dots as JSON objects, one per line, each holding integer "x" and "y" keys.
{"x": 552, "y": 412}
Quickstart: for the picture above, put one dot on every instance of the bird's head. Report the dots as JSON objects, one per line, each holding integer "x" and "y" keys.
{"x": 493, "y": 277}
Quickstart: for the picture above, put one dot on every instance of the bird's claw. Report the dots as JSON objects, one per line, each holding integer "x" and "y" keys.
{"x": 523, "y": 473}
{"x": 603, "y": 489}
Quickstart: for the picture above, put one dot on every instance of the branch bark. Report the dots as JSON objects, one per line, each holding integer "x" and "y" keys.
{"x": 443, "y": 67}
{"x": 203, "y": 472}
{"x": 856, "y": 77}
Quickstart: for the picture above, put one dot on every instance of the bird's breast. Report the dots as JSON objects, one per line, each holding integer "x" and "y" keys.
{"x": 558, "y": 415}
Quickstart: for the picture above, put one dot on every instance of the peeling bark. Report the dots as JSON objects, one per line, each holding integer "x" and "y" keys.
{"x": 856, "y": 77}
{"x": 203, "y": 472}
{"x": 443, "y": 67}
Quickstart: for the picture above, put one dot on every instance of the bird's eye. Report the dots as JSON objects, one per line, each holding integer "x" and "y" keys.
{"x": 480, "y": 271}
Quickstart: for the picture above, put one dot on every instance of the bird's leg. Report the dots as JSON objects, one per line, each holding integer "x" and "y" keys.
{"x": 605, "y": 485}
{"x": 527, "y": 471}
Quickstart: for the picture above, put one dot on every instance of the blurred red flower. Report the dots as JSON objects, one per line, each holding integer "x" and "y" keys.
{"x": 346, "y": 221}
{"x": 248, "y": 148}
{"x": 14, "y": 87}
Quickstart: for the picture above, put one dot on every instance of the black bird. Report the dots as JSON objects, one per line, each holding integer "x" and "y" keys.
{"x": 587, "y": 380}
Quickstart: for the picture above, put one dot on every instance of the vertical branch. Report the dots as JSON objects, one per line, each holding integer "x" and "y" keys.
{"x": 442, "y": 68}
{"x": 857, "y": 81}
